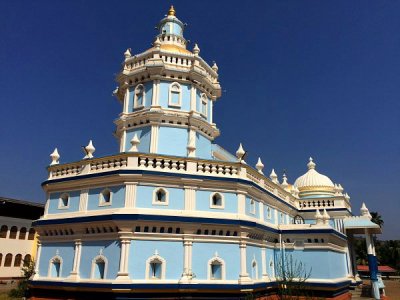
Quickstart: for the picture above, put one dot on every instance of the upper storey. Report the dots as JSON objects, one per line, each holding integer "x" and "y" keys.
{"x": 167, "y": 94}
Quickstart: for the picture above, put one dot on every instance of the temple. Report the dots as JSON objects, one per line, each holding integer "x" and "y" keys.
{"x": 173, "y": 214}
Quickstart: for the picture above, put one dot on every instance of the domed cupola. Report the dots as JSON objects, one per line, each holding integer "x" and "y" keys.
{"x": 313, "y": 184}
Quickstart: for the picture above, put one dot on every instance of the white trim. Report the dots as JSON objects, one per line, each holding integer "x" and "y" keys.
{"x": 51, "y": 261}
{"x": 171, "y": 86}
{"x": 203, "y": 99}
{"x": 102, "y": 201}
{"x": 160, "y": 260}
{"x": 269, "y": 215}
{"x": 61, "y": 201}
{"x": 154, "y": 199}
{"x": 221, "y": 262}
{"x": 94, "y": 261}
{"x": 252, "y": 206}
{"x": 135, "y": 98}
{"x": 212, "y": 205}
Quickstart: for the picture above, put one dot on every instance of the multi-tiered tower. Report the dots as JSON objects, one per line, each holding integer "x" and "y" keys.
{"x": 173, "y": 214}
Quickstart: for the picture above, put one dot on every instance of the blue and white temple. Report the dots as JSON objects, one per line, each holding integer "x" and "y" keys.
{"x": 173, "y": 214}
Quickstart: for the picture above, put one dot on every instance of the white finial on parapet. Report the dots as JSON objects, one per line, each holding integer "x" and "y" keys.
{"x": 311, "y": 164}
{"x": 284, "y": 184}
{"x": 89, "y": 150}
{"x": 54, "y": 157}
{"x": 365, "y": 212}
{"x": 340, "y": 189}
{"x": 196, "y": 49}
{"x": 260, "y": 166}
{"x": 347, "y": 197}
{"x": 326, "y": 217}
{"x": 318, "y": 218}
{"x": 215, "y": 67}
{"x": 240, "y": 153}
{"x": 157, "y": 43}
{"x": 127, "y": 53}
{"x": 135, "y": 143}
{"x": 274, "y": 177}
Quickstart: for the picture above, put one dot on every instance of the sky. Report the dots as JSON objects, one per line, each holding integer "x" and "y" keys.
{"x": 299, "y": 79}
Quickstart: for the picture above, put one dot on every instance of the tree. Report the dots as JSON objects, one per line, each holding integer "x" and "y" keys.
{"x": 28, "y": 270}
{"x": 377, "y": 218}
{"x": 291, "y": 276}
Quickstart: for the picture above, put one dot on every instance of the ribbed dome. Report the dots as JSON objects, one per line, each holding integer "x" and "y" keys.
{"x": 312, "y": 178}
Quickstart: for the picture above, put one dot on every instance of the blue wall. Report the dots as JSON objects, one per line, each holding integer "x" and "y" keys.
{"x": 248, "y": 208}
{"x": 203, "y": 147}
{"x": 203, "y": 202}
{"x": 164, "y": 95}
{"x": 148, "y": 86}
{"x": 144, "y": 134}
{"x": 110, "y": 249}
{"x": 144, "y": 198}
{"x": 172, "y": 141}
{"x": 117, "y": 198}
{"x": 64, "y": 250}
{"x": 253, "y": 252}
{"x": 55, "y": 198}
{"x": 203, "y": 252}
{"x": 140, "y": 251}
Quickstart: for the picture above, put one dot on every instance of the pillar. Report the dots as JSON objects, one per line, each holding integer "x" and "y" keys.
{"x": 123, "y": 273}
{"x": 373, "y": 265}
{"x": 187, "y": 274}
{"x": 243, "y": 276}
{"x": 264, "y": 263}
{"x": 37, "y": 261}
{"x": 77, "y": 260}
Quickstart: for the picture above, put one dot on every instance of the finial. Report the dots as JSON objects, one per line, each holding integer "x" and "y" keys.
{"x": 89, "y": 150}
{"x": 284, "y": 181}
{"x": 240, "y": 153}
{"x": 215, "y": 67}
{"x": 326, "y": 217}
{"x": 365, "y": 212}
{"x": 260, "y": 166}
{"x": 347, "y": 197}
{"x": 157, "y": 43}
{"x": 274, "y": 177}
{"x": 171, "y": 11}
{"x": 318, "y": 217}
{"x": 135, "y": 143}
{"x": 54, "y": 157}
{"x": 311, "y": 164}
{"x": 127, "y": 53}
{"x": 196, "y": 49}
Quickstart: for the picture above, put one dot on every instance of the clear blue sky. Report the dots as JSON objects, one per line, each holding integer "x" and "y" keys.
{"x": 300, "y": 78}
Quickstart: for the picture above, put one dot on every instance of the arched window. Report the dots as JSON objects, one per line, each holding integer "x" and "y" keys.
{"x": 31, "y": 235}
{"x": 105, "y": 197}
{"x": 64, "y": 201}
{"x": 155, "y": 267}
{"x": 22, "y": 233}
{"x": 271, "y": 265}
{"x": 139, "y": 96}
{"x": 8, "y": 260}
{"x": 3, "y": 231}
{"x": 282, "y": 218}
{"x": 268, "y": 213}
{"x": 216, "y": 268}
{"x": 99, "y": 267}
{"x": 1, "y": 258}
{"x": 13, "y": 232}
{"x": 27, "y": 260}
{"x": 175, "y": 95}
{"x": 18, "y": 260}
{"x": 160, "y": 197}
{"x": 254, "y": 270}
{"x": 55, "y": 267}
{"x": 216, "y": 200}
{"x": 204, "y": 105}
{"x": 252, "y": 206}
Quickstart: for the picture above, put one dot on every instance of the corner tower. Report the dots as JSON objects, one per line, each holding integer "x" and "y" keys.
{"x": 167, "y": 93}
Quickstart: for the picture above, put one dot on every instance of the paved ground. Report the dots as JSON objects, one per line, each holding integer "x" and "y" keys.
{"x": 392, "y": 289}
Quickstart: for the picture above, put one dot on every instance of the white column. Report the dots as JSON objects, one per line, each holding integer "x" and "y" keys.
{"x": 244, "y": 276}
{"x": 372, "y": 265}
{"x": 83, "y": 200}
{"x": 187, "y": 274}
{"x": 37, "y": 260}
{"x": 154, "y": 139}
{"x": 261, "y": 211}
{"x": 122, "y": 143}
{"x": 193, "y": 99}
{"x": 123, "y": 273}
{"x": 264, "y": 263}
{"x": 126, "y": 101}
{"x": 241, "y": 204}
{"x": 77, "y": 260}
{"x": 130, "y": 194}
{"x": 190, "y": 198}
{"x": 211, "y": 111}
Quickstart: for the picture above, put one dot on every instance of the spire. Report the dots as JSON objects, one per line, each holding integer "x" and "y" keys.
{"x": 127, "y": 53}
{"x": 135, "y": 143}
{"x": 54, "y": 157}
{"x": 171, "y": 12}
{"x": 196, "y": 49}
{"x": 274, "y": 177}
{"x": 284, "y": 181}
{"x": 311, "y": 164}
{"x": 260, "y": 166}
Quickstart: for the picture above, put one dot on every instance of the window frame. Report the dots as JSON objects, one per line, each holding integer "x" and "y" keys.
{"x": 61, "y": 201}
{"x": 102, "y": 201}
{"x": 222, "y": 264}
{"x": 135, "y": 96}
{"x": 95, "y": 260}
{"x": 162, "y": 203}
{"x": 170, "y": 92}
{"x": 252, "y": 208}
{"x": 163, "y": 267}
{"x": 51, "y": 262}
{"x": 212, "y": 205}
{"x": 203, "y": 100}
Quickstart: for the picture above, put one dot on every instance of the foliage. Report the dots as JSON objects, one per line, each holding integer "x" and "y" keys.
{"x": 377, "y": 218}
{"x": 28, "y": 270}
{"x": 291, "y": 276}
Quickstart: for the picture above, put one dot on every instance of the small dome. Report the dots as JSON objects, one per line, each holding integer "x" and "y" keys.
{"x": 312, "y": 178}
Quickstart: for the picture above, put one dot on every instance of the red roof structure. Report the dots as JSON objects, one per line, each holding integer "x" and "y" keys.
{"x": 382, "y": 269}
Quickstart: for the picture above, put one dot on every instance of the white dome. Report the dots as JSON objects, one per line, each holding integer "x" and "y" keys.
{"x": 312, "y": 178}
